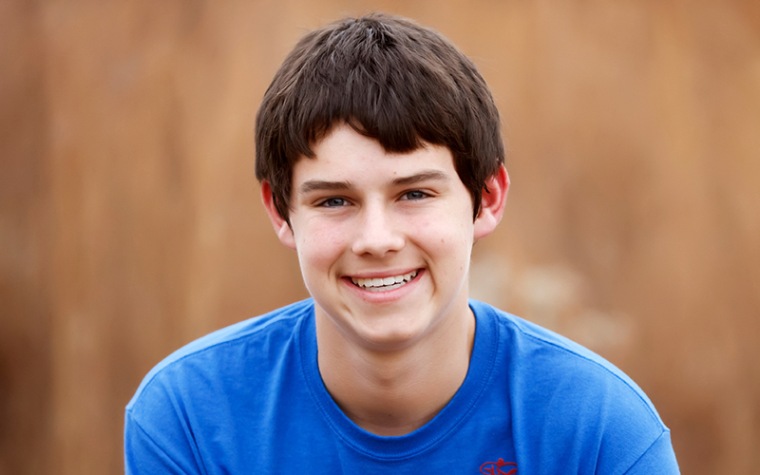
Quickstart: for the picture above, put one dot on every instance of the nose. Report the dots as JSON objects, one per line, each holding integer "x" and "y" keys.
{"x": 378, "y": 233}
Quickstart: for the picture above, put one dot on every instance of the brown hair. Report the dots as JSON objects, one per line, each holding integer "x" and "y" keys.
{"x": 388, "y": 78}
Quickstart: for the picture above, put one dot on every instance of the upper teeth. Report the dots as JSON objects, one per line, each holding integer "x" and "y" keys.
{"x": 384, "y": 281}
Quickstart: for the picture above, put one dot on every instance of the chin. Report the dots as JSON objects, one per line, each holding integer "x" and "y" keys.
{"x": 398, "y": 337}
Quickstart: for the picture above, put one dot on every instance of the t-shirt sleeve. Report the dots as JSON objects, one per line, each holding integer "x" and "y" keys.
{"x": 659, "y": 459}
{"x": 143, "y": 454}
{"x": 156, "y": 440}
{"x": 580, "y": 412}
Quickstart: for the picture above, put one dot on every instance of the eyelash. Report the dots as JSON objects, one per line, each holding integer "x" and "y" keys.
{"x": 338, "y": 202}
{"x": 419, "y": 195}
{"x": 330, "y": 202}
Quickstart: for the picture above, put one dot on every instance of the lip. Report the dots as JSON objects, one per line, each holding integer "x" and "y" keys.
{"x": 382, "y": 273}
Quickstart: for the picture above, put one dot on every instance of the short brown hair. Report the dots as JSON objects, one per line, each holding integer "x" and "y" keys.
{"x": 388, "y": 78}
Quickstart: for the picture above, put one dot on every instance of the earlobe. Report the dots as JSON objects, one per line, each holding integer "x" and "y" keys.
{"x": 492, "y": 203}
{"x": 281, "y": 226}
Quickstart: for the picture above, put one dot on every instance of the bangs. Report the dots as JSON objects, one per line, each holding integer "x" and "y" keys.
{"x": 367, "y": 80}
{"x": 390, "y": 80}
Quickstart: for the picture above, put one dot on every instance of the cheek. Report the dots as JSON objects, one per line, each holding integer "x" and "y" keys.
{"x": 319, "y": 245}
{"x": 445, "y": 235}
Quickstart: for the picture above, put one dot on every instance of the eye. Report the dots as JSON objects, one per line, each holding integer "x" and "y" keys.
{"x": 333, "y": 202}
{"x": 414, "y": 195}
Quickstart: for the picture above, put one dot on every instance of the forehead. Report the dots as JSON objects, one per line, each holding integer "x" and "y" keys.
{"x": 344, "y": 154}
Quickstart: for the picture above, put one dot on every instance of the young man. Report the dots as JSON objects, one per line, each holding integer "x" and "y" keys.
{"x": 381, "y": 164}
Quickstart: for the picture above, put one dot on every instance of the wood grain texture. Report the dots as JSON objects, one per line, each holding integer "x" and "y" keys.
{"x": 130, "y": 220}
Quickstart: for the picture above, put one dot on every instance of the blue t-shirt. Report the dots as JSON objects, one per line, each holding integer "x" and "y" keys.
{"x": 250, "y": 399}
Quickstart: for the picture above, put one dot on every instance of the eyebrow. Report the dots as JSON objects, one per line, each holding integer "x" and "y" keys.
{"x": 323, "y": 185}
{"x": 326, "y": 185}
{"x": 426, "y": 175}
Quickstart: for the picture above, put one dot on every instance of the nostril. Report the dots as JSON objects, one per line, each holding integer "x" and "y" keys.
{"x": 377, "y": 242}
{"x": 375, "y": 234}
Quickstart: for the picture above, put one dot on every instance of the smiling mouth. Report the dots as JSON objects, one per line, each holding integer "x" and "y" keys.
{"x": 379, "y": 284}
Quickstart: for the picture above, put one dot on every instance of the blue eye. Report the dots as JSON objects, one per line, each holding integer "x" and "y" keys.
{"x": 333, "y": 202}
{"x": 415, "y": 195}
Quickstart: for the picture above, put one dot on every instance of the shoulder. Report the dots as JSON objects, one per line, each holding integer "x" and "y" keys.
{"x": 531, "y": 347}
{"x": 569, "y": 399}
{"x": 218, "y": 353}
{"x": 206, "y": 387}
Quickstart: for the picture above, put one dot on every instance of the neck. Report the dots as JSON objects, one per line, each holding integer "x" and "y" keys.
{"x": 395, "y": 392}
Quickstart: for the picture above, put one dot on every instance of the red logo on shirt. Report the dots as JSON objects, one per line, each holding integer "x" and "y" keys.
{"x": 500, "y": 467}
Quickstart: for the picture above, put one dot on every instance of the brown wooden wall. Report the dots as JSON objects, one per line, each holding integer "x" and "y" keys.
{"x": 130, "y": 221}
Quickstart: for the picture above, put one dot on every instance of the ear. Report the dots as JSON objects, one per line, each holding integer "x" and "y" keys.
{"x": 281, "y": 226}
{"x": 492, "y": 203}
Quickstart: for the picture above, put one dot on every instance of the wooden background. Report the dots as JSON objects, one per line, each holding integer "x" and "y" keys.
{"x": 130, "y": 221}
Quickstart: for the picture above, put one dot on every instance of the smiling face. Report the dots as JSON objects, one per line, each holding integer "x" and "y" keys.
{"x": 384, "y": 240}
